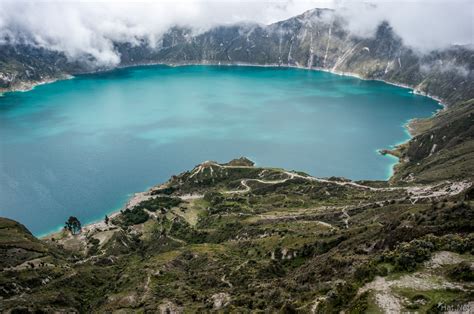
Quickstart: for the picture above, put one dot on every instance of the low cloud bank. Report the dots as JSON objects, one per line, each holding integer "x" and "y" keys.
{"x": 80, "y": 28}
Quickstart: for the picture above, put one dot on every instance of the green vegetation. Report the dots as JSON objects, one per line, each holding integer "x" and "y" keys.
{"x": 295, "y": 244}
{"x": 159, "y": 203}
{"x": 461, "y": 272}
{"x": 73, "y": 225}
{"x": 131, "y": 217}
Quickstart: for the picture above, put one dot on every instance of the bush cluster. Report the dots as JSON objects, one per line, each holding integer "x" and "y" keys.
{"x": 133, "y": 216}
{"x": 159, "y": 203}
{"x": 408, "y": 256}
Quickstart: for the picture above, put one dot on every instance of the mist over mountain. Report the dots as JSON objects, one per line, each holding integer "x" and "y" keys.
{"x": 91, "y": 30}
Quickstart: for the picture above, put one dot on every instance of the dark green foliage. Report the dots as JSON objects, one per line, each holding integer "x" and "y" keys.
{"x": 93, "y": 246}
{"x": 273, "y": 269}
{"x": 167, "y": 191}
{"x": 321, "y": 246}
{"x": 408, "y": 256}
{"x": 182, "y": 230}
{"x": 341, "y": 295}
{"x": 214, "y": 198}
{"x": 226, "y": 232}
{"x": 360, "y": 304}
{"x": 367, "y": 271}
{"x": 131, "y": 217}
{"x": 73, "y": 225}
{"x": 159, "y": 203}
{"x": 461, "y": 272}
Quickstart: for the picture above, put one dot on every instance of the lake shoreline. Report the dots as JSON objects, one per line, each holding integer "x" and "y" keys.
{"x": 409, "y": 125}
{"x": 98, "y": 223}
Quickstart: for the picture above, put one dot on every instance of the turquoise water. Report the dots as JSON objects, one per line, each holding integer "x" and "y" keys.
{"x": 82, "y": 146}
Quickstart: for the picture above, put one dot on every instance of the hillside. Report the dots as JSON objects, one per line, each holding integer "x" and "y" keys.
{"x": 239, "y": 237}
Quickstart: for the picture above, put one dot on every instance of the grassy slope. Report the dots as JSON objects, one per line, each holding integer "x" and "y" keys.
{"x": 443, "y": 147}
{"x": 279, "y": 246}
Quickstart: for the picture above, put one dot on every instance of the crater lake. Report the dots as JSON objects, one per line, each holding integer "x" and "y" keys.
{"x": 83, "y": 146}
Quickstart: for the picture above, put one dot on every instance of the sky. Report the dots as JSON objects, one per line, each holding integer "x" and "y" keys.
{"x": 90, "y": 27}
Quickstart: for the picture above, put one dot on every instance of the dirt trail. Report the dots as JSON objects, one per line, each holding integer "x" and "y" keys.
{"x": 414, "y": 193}
{"x": 248, "y": 188}
{"x": 443, "y": 189}
{"x": 384, "y": 298}
{"x": 346, "y": 216}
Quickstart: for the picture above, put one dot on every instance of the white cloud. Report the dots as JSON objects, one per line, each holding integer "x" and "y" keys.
{"x": 423, "y": 24}
{"x": 90, "y": 27}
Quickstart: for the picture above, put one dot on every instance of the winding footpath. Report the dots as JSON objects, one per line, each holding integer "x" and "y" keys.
{"x": 446, "y": 188}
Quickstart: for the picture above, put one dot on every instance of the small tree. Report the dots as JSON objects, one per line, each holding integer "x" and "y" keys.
{"x": 73, "y": 225}
{"x": 106, "y": 220}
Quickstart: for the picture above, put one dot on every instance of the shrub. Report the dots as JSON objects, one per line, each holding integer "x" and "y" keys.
{"x": 408, "y": 256}
{"x": 73, "y": 225}
{"x": 159, "y": 203}
{"x": 461, "y": 272}
{"x": 214, "y": 198}
{"x": 133, "y": 216}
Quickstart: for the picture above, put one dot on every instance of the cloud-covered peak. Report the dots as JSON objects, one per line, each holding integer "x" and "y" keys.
{"x": 80, "y": 28}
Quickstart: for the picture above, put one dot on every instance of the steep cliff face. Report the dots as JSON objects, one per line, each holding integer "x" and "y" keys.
{"x": 319, "y": 39}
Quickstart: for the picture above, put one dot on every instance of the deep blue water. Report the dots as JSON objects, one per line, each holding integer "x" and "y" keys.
{"x": 82, "y": 146}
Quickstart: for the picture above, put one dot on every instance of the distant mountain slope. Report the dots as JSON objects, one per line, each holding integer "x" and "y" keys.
{"x": 319, "y": 39}
{"x": 315, "y": 39}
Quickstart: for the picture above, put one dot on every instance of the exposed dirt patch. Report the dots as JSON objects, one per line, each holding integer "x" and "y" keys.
{"x": 443, "y": 258}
